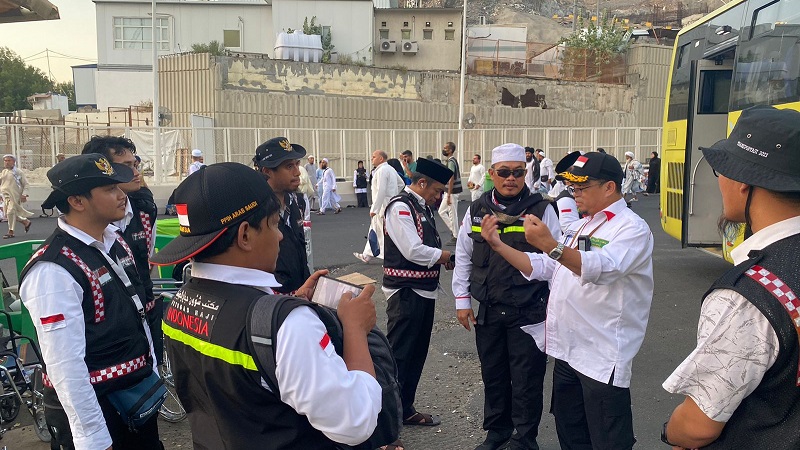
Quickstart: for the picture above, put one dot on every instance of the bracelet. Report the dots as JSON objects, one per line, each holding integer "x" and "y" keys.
{"x": 664, "y": 435}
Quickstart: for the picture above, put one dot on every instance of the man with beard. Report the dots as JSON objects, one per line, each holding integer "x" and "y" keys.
{"x": 138, "y": 226}
{"x": 279, "y": 162}
{"x": 327, "y": 181}
{"x": 741, "y": 381}
{"x": 512, "y": 363}
{"x": 601, "y": 279}
{"x": 547, "y": 175}
{"x": 532, "y": 170}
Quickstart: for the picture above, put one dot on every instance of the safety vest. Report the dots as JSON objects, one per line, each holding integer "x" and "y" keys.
{"x": 217, "y": 379}
{"x": 292, "y": 268}
{"x": 493, "y": 280}
{"x": 769, "y": 417}
{"x": 399, "y": 272}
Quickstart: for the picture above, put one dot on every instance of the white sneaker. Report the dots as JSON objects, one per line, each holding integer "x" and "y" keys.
{"x": 362, "y": 257}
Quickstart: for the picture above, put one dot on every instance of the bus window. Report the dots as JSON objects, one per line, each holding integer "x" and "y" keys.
{"x": 715, "y": 90}
{"x": 767, "y": 68}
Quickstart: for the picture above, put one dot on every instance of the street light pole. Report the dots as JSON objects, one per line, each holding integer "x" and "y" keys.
{"x": 460, "y": 150}
{"x": 157, "y": 159}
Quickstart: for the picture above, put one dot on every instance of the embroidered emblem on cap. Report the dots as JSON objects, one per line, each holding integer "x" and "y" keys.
{"x": 286, "y": 145}
{"x": 581, "y": 161}
{"x": 183, "y": 218}
{"x": 104, "y": 166}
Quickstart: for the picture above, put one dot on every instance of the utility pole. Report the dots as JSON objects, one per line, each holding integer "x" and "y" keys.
{"x": 49, "y": 72}
{"x": 157, "y": 159}
{"x": 460, "y": 149}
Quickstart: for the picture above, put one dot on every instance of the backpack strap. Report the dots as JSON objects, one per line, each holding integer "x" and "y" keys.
{"x": 265, "y": 317}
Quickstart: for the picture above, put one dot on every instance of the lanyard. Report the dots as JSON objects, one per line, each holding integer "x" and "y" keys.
{"x": 578, "y": 233}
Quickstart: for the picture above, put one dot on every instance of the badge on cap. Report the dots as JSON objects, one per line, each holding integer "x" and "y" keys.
{"x": 183, "y": 218}
{"x": 286, "y": 145}
{"x": 580, "y": 161}
{"x": 104, "y": 166}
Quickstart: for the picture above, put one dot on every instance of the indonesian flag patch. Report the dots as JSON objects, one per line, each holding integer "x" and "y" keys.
{"x": 183, "y": 218}
{"x": 53, "y": 322}
{"x": 325, "y": 344}
{"x": 103, "y": 275}
{"x": 581, "y": 161}
{"x": 404, "y": 213}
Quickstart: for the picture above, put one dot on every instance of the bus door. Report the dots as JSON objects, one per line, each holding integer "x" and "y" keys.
{"x": 709, "y": 96}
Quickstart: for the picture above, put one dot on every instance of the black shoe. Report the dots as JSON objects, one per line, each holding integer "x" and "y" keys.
{"x": 494, "y": 442}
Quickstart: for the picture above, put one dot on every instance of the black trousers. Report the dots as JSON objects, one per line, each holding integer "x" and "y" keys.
{"x": 410, "y": 321}
{"x": 590, "y": 415}
{"x": 512, "y": 368}
{"x": 145, "y": 438}
{"x": 362, "y": 200}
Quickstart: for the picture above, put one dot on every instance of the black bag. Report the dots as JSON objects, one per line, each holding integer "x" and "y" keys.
{"x": 137, "y": 404}
{"x": 268, "y": 313}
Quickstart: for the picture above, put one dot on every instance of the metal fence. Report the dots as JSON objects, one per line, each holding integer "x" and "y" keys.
{"x": 36, "y": 146}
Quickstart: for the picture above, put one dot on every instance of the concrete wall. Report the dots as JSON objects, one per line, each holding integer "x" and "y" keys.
{"x": 350, "y": 22}
{"x": 123, "y": 87}
{"x": 435, "y": 53}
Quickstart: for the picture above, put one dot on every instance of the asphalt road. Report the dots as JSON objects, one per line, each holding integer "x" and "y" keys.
{"x": 451, "y": 384}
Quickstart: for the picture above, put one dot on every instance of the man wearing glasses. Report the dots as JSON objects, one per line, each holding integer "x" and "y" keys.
{"x": 601, "y": 278}
{"x": 512, "y": 363}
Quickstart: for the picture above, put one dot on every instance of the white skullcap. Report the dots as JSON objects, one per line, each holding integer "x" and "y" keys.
{"x": 540, "y": 151}
{"x": 629, "y": 154}
{"x": 9, "y": 156}
{"x": 325, "y": 160}
{"x": 197, "y": 153}
{"x": 508, "y": 153}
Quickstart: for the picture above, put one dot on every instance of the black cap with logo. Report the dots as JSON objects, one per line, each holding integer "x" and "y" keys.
{"x": 208, "y": 202}
{"x": 272, "y": 153}
{"x": 578, "y": 168}
{"x": 762, "y": 150}
{"x": 80, "y": 174}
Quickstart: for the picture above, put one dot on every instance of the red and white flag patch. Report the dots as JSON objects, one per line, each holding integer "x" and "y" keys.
{"x": 183, "y": 215}
{"x": 404, "y": 213}
{"x": 581, "y": 161}
{"x": 566, "y": 210}
{"x": 325, "y": 344}
{"x": 103, "y": 275}
{"x": 53, "y": 322}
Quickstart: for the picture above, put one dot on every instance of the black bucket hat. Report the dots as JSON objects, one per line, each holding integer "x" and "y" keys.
{"x": 82, "y": 173}
{"x": 762, "y": 150}
{"x": 578, "y": 168}
{"x": 272, "y": 153}
{"x": 208, "y": 202}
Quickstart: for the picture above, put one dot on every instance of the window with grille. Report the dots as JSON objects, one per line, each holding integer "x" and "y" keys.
{"x": 137, "y": 33}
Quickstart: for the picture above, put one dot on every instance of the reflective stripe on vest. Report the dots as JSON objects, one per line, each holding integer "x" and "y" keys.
{"x": 403, "y": 273}
{"x": 215, "y": 351}
{"x": 115, "y": 371}
{"x": 511, "y": 229}
{"x": 782, "y": 292}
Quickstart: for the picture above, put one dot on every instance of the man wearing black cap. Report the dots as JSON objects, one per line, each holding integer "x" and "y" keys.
{"x": 229, "y": 226}
{"x": 741, "y": 382}
{"x": 279, "y": 162}
{"x": 85, "y": 298}
{"x": 601, "y": 278}
{"x": 412, "y": 260}
{"x": 138, "y": 226}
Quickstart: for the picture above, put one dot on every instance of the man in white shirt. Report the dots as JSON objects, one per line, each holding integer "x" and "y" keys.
{"x": 601, "y": 278}
{"x": 231, "y": 232}
{"x": 547, "y": 175}
{"x": 86, "y": 302}
{"x": 386, "y": 183}
{"x": 477, "y": 174}
{"x": 197, "y": 161}
{"x": 741, "y": 381}
{"x": 327, "y": 180}
{"x": 531, "y": 170}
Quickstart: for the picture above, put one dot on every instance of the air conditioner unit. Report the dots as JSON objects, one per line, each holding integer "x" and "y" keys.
{"x": 410, "y": 47}
{"x": 388, "y": 46}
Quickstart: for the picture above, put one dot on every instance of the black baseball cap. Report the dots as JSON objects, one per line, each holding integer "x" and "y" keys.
{"x": 579, "y": 168}
{"x": 433, "y": 170}
{"x": 272, "y": 153}
{"x": 762, "y": 150}
{"x": 210, "y": 201}
{"x": 82, "y": 173}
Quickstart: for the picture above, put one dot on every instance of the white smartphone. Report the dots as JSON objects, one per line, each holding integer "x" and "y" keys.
{"x": 329, "y": 291}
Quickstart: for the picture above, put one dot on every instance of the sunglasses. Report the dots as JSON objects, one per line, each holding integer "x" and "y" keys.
{"x": 505, "y": 173}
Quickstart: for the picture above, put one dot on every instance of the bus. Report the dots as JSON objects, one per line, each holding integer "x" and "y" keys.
{"x": 743, "y": 54}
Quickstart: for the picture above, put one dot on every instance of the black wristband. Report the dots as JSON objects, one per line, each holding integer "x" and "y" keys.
{"x": 664, "y": 435}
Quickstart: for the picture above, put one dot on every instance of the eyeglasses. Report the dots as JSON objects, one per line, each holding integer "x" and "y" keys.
{"x": 505, "y": 173}
{"x": 579, "y": 190}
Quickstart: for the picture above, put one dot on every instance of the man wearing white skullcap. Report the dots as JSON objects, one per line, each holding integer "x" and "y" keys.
{"x": 197, "y": 161}
{"x": 330, "y": 199}
{"x": 12, "y": 187}
{"x": 511, "y": 308}
{"x": 632, "y": 184}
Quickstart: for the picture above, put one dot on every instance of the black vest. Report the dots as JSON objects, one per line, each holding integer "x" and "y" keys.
{"x": 113, "y": 327}
{"x": 457, "y": 188}
{"x": 292, "y": 269}
{"x": 139, "y": 234}
{"x": 228, "y": 406}
{"x": 493, "y": 279}
{"x": 768, "y": 418}
{"x": 399, "y": 272}
{"x": 361, "y": 178}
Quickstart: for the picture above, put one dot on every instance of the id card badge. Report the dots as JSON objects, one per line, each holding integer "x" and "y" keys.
{"x": 584, "y": 243}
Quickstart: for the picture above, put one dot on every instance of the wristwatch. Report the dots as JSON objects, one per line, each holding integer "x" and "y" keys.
{"x": 664, "y": 435}
{"x": 557, "y": 252}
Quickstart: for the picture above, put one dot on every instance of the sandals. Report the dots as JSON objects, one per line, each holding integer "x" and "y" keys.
{"x": 27, "y": 226}
{"x": 8, "y": 236}
{"x": 396, "y": 445}
{"x": 422, "y": 420}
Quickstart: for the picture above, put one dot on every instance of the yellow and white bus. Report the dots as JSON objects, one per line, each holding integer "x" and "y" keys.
{"x": 745, "y": 53}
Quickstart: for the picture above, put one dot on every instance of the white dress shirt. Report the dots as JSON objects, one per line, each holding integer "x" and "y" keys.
{"x": 386, "y": 183}
{"x": 48, "y": 290}
{"x": 736, "y": 344}
{"x": 596, "y": 321}
{"x": 546, "y": 168}
{"x": 477, "y": 174}
{"x": 195, "y": 166}
{"x": 530, "y": 180}
{"x": 402, "y": 230}
{"x": 314, "y": 381}
{"x": 464, "y": 245}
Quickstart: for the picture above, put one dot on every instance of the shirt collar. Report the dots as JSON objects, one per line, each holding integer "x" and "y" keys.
{"x": 122, "y": 224}
{"x": 612, "y": 210}
{"x": 765, "y": 237}
{"x": 109, "y": 235}
{"x": 416, "y": 196}
{"x": 258, "y": 279}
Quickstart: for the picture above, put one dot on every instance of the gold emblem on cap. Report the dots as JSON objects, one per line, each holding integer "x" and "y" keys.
{"x": 104, "y": 166}
{"x": 286, "y": 145}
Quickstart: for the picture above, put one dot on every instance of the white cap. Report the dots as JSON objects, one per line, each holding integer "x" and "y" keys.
{"x": 540, "y": 151}
{"x": 325, "y": 160}
{"x": 197, "y": 153}
{"x": 629, "y": 154}
{"x": 508, "y": 153}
